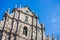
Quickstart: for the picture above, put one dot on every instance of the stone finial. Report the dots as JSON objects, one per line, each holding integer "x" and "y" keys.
{"x": 52, "y": 36}
{"x": 48, "y": 35}
{"x": 42, "y": 25}
{"x": 7, "y": 11}
{"x": 16, "y": 6}
{"x": 20, "y": 5}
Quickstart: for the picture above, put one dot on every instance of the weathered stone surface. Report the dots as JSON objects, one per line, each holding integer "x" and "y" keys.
{"x": 19, "y": 35}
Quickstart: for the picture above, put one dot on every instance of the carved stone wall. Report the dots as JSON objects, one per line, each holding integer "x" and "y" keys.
{"x": 15, "y": 22}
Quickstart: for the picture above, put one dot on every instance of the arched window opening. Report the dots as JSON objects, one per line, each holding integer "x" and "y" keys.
{"x": 25, "y": 31}
{"x": 26, "y": 11}
{"x": 26, "y": 19}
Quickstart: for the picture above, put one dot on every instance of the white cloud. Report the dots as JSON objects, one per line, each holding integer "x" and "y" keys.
{"x": 54, "y": 20}
{"x": 55, "y": 23}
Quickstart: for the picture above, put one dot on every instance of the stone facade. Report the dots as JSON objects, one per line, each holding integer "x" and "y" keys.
{"x": 22, "y": 24}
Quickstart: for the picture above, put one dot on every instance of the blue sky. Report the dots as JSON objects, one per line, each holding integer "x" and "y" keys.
{"x": 47, "y": 10}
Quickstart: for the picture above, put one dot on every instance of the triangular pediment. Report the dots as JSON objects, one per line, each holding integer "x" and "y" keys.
{"x": 30, "y": 12}
{"x": 27, "y": 10}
